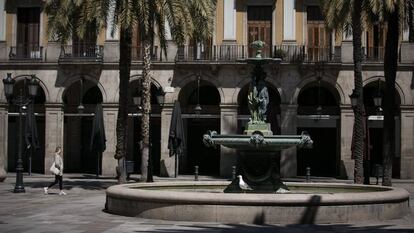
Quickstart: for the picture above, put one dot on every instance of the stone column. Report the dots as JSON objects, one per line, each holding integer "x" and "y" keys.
{"x": 289, "y": 21}
{"x": 167, "y": 163}
{"x": 407, "y": 146}
{"x": 347, "y": 122}
{"x": 407, "y": 49}
{"x": 228, "y": 125}
{"x": 3, "y": 141}
{"x": 288, "y": 126}
{"x": 229, "y": 20}
{"x": 53, "y": 132}
{"x": 109, "y": 163}
{"x": 347, "y": 55}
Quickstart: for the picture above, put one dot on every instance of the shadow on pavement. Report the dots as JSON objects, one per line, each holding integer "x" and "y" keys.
{"x": 70, "y": 184}
{"x": 272, "y": 228}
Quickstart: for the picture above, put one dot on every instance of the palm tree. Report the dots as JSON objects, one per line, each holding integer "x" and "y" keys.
{"x": 395, "y": 13}
{"x": 347, "y": 16}
{"x": 183, "y": 17}
{"x": 187, "y": 18}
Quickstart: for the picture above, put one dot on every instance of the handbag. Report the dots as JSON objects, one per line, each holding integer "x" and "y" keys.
{"x": 53, "y": 169}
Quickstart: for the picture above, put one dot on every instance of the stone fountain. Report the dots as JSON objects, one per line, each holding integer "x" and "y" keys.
{"x": 258, "y": 149}
{"x": 258, "y": 165}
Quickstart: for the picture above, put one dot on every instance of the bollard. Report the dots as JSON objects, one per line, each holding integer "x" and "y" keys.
{"x": 233, "y": 173}
{"x": 308, "y": 174}
{"x": 196, "y": 173}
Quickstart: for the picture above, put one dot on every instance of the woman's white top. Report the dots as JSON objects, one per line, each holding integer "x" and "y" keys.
{"x": 59, "y": 162}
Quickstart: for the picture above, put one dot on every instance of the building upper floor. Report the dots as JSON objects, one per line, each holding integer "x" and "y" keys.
{"x": 293, "y": 30}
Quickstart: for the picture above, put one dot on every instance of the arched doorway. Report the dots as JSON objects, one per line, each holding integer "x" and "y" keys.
{"x": 318, "y": 115}
{"x": 207, "y": 159}
{"x": 134, "y": 129}
{"x": 375, "y": 127}
{"x": 37, "y": 157}
{"x": 78, "y": 156}
{"x": 273, "y": 111}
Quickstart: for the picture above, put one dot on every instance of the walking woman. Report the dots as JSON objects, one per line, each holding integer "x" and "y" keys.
{"x": 57, "y": 169}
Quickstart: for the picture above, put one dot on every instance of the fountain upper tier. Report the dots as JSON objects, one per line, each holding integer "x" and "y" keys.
{"x": 257, "y": 141}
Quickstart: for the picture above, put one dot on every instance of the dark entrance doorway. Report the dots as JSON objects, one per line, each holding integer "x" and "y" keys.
{"x": 196, "y": 125}
{"x": 322, "y": 158}
{"x": 134, "y": 129}
{"x": 37, "y": 156}
{"x": 375, "y": 127}
{"x": 78, "y": 156}
{"x": 318, "y": 115}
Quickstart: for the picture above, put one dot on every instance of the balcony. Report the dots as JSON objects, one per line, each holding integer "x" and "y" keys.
{"x": 232, "y": 53}
{"x": 213, "y": 53}
{"x": 374, "y": 54}
{"x": 137, "y": 53}
{"x": 26, "y": 52}
{"x": 81, "y": 52}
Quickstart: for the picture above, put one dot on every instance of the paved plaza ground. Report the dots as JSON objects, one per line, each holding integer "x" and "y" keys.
{"x": 82, "y": 210}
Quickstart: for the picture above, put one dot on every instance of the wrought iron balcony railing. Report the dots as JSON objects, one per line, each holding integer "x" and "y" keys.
{"x": 82, "y": 51}
{"x": 26, "y": 52}
{"x": 374, "y": 54}
{"x": 231, "y": 53}
{"x": 211, "y": 53}
{"x": 137, "y": 53}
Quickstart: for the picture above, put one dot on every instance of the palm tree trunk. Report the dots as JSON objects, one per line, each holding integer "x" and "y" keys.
{"x": 358, "y": 121}
{"x": 122, "y": 119}
{"x": 390, "y": 70}
{"x": 146, "y": 171}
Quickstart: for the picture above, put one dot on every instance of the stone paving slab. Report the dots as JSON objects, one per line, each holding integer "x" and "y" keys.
{"x": 82, "y": 210}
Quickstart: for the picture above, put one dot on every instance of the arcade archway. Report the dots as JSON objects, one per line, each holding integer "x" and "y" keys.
{"x": 134, "y": 129}
{"x": 195, "y": 125}
{"x": 319, "y": 115}
{"x": 79, "y": 158}
{"x": 375, "y": 127}
{"x": 36, "y": 156}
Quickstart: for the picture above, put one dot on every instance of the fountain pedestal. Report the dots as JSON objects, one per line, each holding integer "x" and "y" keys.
{"x": 262, "y": 127}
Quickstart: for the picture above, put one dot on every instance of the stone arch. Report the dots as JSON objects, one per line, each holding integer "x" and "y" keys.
{"x": 327, "y": 82}
{"x": 138, "y": 77}
{"x": 42, "y": 85}
{"x": 398, "y": 88}
{"x": 192, "y": 78}
{"x": 75, "y": 78}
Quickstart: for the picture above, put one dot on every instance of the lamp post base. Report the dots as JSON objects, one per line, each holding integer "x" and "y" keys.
{"x": 19, "y": 189}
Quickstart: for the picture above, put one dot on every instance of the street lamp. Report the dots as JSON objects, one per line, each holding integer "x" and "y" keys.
{"x": 378, "y": 99}
{"x": 198, "y": 108}
{"x": 81, "y": 108}
{"x": 21, "y": 101}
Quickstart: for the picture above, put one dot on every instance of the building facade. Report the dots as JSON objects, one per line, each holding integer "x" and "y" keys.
{"x": 309, "y": 91}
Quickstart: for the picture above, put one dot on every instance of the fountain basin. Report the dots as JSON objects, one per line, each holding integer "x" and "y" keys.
{"x": 204, "y": 201}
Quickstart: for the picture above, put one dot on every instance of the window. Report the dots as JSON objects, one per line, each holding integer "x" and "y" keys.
{"x": 259, "y": 23}
{"x": 319, "y": 40}
{"x": 28, "y": 21}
